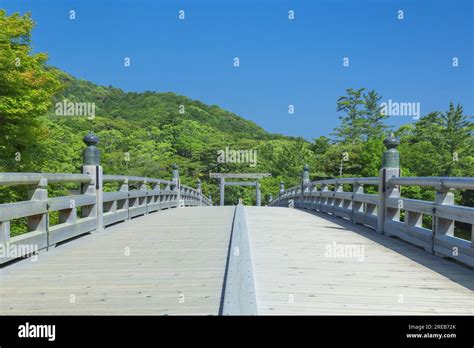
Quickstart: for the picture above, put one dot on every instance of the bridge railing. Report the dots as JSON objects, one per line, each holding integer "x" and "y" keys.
{"x": 328, "y": 196}
{"x": 37, "y": 211}
{"x": 388, "y": 212}
{"x": 91, "y": 208}
{"x": 438, "y": 239}
{"x": 147, "y": 197}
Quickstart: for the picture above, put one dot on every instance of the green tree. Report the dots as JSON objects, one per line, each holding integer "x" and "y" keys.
{"x": 456, "y": 135}
{"x": 439, "y": 144}
{"x": 352, "y": 124}
{"x": 374, "y": 125}
{"x": 364, "y": 119}
{"x": 26, "y": 88}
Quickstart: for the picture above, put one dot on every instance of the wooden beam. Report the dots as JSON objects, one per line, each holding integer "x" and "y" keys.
{"x": 240, "y": 183}
{"x": 239, "y": 175}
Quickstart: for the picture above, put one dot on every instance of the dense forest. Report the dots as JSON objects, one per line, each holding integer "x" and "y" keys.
{"x": 145, "y": 133}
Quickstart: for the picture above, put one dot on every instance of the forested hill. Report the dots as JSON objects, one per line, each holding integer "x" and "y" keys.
{"x": 158, "y": 109}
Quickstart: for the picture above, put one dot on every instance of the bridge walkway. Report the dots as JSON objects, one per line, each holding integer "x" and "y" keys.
{"x": 174, "y": 262}
{"x": 169, "y": 262}
{"x": 300, "y": 267}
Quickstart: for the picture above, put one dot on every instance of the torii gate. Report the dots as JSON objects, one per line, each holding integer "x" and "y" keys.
{"x": 223, "y": 183}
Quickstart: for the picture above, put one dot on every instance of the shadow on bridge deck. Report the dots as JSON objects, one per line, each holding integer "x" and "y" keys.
{"x": 449, "y": 268}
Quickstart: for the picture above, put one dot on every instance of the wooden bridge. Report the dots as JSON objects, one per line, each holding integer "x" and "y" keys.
{"x": 133, "y": 245}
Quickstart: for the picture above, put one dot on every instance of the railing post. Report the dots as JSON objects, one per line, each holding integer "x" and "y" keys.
{"x": 304, "y": 183}
{"x": 184, "y": 193}
{"x": 167, "y": 196}
{"x": 337, "y": 203}
{"x": 282, "y": 191}
{"x": 443, "y": 226}
{"x": 312, "y": 197}
{"x": 39, "y": 222}
{"x": 199, "y": 190}
{"x": 306, "y": 196}
{"x": 222, "y": 190}
{"x": 91, "y": 166}
{"x": 357, "y": 207}
{"x": 210, "y": 200}
{"x": 126, "y": 204}
{"x": 258, "y": 193}
{"x": 176, "y": 184}
{"x": 472, "y": 236}
{"x": 324, "y": 202}
{"x": 4, "y": 232}
{"x": 390, "y": 169}
{"x": 144, "y": 187}
{"x": 157, "y": 195}
{"x": 298, "y": 197}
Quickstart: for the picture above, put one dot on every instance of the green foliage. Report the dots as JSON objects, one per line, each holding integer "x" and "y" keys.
{"x": 439, "y": 144}
{"x": 26, "y": 88}
{"x": 363, "y": 119}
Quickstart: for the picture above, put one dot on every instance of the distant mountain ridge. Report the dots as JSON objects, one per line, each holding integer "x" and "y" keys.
{"x": 158, "y": 108}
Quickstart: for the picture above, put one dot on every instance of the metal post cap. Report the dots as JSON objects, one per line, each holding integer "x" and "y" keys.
{"x": 391, "y": 142}
{"x": 91, "y": 154}
{"x": 91, "y": 139}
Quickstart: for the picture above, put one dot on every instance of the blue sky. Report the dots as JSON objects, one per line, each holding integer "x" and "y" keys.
{"x": 282, "y": 61}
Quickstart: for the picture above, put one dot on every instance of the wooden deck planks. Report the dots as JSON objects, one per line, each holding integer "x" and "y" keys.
{"x": 183, "y": 252}
{"x": 294, "y": 275}
{"x": 176, "y": 265}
